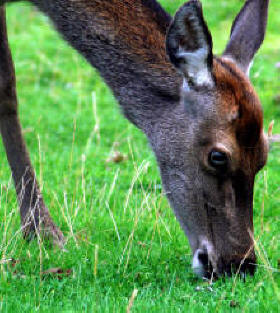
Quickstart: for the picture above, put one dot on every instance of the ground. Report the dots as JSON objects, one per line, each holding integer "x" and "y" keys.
{"x": 121, "y": 233}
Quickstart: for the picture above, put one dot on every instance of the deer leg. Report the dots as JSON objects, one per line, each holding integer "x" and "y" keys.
{"x": 35, "y": 217}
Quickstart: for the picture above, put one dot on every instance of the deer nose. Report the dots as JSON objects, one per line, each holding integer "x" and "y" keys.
{"x": 202, "y": 266}
{"x": 203, "y": 258}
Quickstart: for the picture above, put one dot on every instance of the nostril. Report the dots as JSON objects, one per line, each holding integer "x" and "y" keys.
{"x": 206, "y": 263}
{"x": 199, "y": 263}
{"x": 202, "y": 265}
{"x": 203, "y": 258}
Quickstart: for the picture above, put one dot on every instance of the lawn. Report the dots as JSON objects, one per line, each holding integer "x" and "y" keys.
{"x": 122, "y": 237}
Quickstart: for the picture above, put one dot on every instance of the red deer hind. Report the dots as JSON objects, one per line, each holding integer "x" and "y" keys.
{"x": 199, "y": 112}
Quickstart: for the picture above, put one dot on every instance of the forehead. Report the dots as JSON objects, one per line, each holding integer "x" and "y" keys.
{"x": 238, "y": 102}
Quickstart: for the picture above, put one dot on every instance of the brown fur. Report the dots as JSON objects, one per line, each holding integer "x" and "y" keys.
{"x": 239, "y": 101}
{"x": 217, "y": 114}
{"x": 238, "y": 94}
{"x": 134, "y": 25}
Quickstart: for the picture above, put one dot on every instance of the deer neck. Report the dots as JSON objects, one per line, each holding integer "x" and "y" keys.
{"x": 125, "y": 42}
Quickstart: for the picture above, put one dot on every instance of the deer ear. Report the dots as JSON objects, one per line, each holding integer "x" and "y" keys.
{"x": 247, "y": 33}
{"x": 189, "y": 45}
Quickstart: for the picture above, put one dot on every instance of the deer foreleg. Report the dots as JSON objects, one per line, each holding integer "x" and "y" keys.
{"x": 35, "y": 217}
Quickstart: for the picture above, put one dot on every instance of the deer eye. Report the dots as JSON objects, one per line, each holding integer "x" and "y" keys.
{"x": 218, "y": 159}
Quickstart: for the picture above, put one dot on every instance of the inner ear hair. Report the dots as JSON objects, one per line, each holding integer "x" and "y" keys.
{"x": 189, "y": 45}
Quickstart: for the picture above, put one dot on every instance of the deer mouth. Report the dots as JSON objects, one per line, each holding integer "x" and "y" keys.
{"x": 205, "y": 268}
{"x": 220, "y": 255}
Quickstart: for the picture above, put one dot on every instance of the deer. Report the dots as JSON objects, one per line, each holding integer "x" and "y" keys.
{"x": 200, "y": 113}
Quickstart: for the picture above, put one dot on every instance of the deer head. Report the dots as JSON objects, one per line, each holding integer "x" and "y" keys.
{"x": 211, "y": 145}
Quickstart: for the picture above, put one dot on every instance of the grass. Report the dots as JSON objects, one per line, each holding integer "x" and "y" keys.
{"x": 121, "y": 234}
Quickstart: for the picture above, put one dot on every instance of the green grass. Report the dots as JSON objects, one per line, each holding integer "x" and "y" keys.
{"x": 114, "y": 216}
